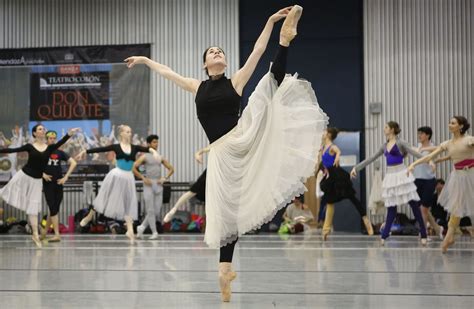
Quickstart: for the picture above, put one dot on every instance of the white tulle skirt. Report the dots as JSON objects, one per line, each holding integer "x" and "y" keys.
{"x": 398, "y": 188}
{"x": 117, "y": 196}
{"x": 23, "y": 192}
{"x": 457, "y": 196}
{"x": 261, "y": 164}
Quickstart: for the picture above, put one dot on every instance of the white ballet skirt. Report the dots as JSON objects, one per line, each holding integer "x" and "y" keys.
{"x": 23, "y": 192}
{"x": 117, "y": 196}
{"x": 457, "y": 196}
{"x": 264, "y": 161}
{"x": 398, "y": 188}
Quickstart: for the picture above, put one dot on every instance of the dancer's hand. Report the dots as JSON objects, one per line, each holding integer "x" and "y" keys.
{"x": 336, "y": 162}
{"x": 80, "y": 155}
{"x": 73, "y": 131}
{"x": 47, "y": 177}
{"x": 62, "y": 180}
{"x": 162, "y": 180}
{"x": 131, "y": 61}
{"x": 199, "y": 157}
{"x": 433, "y": 166}
{"x": 147, "y": 182}
{"x": 353, "y": 173}
{"x": 280, "y": 14}
{"x": 410, "y": 169}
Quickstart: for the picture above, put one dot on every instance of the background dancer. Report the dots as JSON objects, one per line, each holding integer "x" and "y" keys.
{"x": 117, "y": 196}
{"x": 53, "y": 181}
{"x": 152, "y": 186}
{"x": 336, "y": 183}
{"x": 425, "y": 179}
{"x": 24, "y": 190}
{"x": 457, "y": 196}
{"x": 398, "y": 187}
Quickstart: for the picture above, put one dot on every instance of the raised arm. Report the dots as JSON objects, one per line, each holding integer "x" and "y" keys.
{"x": 188, "y": 84}
{"x": 405, "y": 147}
{"x": 367, "y": 161}
{"x": 101, "y": 149}
{"x": 242, "y": 76}
{"x": 25, "y": 147}
{"x": 442, "y": 159}
{"x": 425, "y": 159}
{"x": 65, "y": 138}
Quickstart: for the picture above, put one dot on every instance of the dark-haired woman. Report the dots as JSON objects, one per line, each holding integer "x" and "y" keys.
{"x": 259, "y": 162}
{"x": 24, "y": 190}
{"x": 336, "y": 183}
{"x": 457, "y": 196}
{"x": 398, "y": 187}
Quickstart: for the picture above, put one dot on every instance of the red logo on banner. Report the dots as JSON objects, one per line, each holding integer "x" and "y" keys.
{"x": 69, "y": 69}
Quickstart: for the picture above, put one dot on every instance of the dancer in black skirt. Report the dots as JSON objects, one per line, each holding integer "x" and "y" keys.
{"x": 336, "y": 183}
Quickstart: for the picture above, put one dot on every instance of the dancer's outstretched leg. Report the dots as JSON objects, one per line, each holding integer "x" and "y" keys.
{"x": 181, "y": 201}
{"x": 363, "y": 214}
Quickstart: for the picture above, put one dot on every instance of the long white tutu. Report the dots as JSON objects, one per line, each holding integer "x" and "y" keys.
{"x": 398, "y": 188}
{"x": 457, "y": 196}
{"x": 23, "y": 192}
{"x": 261, "y": 164}
{"x": 117, "y": 196}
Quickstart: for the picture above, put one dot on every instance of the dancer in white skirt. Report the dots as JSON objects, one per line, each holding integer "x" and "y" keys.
{"x": 398, "y": 187}
{"x": 257, "y": 163}
{"x": 457, "y": 196}
{"x": 117, "y": 196}
{"x": 152, "y": 186}
{"x": 24, "y": 190}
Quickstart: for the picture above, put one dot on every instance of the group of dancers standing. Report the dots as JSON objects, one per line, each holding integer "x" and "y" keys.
{"x": 258, "y": 158}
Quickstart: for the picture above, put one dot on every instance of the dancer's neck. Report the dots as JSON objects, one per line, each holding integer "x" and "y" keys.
{"x": 426, "y": 143}
{"x": 216, "y": 77}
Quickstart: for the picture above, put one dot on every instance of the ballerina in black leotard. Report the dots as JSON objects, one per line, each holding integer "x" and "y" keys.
{"x": 258, "y": 162}
{"x": 24, "y": 190}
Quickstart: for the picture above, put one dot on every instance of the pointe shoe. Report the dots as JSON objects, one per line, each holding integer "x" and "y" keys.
{"x": 54, "y": 239}
{"x": 37, "y": 241}
{"x": 226, "y": 275}
{"x": 382, "y": 242}
{"x": 446, "y": 244}
{"x": 131, "y": 236}
{"x": 424, "y": 242}
{"x": 169, "y": 215}
{"x": 326, "y": 235}
{"x": 288, "y": 29}
{"x": 368, "y": 226}
{"x": 87, "y": 219}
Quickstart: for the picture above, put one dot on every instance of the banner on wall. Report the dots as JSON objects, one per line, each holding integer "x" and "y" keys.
{"x": 71, "y": 55}
{"x": 88, "y": 87}
{"x": 69, "y": 94}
